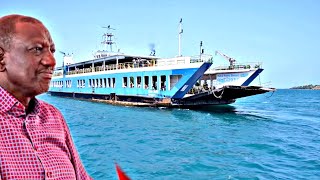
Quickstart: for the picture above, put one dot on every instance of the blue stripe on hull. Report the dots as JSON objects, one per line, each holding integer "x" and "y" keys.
{"x": 191, "y": 81}
{"x": 252, "y": 77}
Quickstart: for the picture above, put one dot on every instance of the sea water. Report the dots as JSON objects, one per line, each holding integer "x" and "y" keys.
{"x": 269, "y": 136}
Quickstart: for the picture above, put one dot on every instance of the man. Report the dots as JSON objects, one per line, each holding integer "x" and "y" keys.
{"x": 35, "y": 142}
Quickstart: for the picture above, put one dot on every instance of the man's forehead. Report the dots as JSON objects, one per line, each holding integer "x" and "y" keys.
{"x": 32, "y": 30}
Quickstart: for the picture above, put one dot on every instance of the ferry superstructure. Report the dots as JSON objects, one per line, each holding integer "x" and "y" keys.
{"x": 129, "y": 78}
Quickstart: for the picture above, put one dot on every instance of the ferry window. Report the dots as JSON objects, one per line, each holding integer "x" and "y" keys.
{"x": 109, "y": 82}
{"x": 174, "y": 79}
{"x": 101, "y": 85}
{"x": 104, "y": 82}
{"x": 131, "y": 82}
{"x": 139, "y": 81}
{"x": 124, "y": 81}
{"x": 146, "y": 82}
{"x": 89, "y": 83}
{"x": 68, "y": 83}
{"x": 163, "y": 83}
{"x": 96, "y": 83}
{"x": 113, "y": 82}
{"x": 154, "y": 82}
{"x": 83, "y": 83}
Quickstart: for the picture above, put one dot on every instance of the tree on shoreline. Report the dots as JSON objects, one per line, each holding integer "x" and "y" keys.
{"x": 310, "y": 86}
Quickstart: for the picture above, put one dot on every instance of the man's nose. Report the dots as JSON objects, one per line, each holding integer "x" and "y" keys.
{"x": 49, "y": 60}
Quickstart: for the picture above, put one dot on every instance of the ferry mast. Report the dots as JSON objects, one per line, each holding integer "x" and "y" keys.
{"x": 107, "y": 39}
{"x": 180, "y": 32}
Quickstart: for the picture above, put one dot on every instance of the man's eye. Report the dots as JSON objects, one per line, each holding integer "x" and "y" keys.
{"x": 36, "y": 49}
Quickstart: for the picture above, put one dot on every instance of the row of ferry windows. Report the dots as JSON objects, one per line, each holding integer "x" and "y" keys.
{"x": 102, "y": 83}
{"x": 147, "y": 82}
{"x": 81, "y": 83}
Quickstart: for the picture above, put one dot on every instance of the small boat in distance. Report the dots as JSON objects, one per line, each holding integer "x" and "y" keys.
{"x": 148, "y": 80}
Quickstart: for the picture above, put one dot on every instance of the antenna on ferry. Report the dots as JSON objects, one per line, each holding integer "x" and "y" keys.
{"x": 107, "y": 41}
{"x": 62, "y": 53}
{"x": 180, "y": 32}
{"x": 63, "y": 63}
{"x": 108, "y": 27}
{"x": 152, "y": 49}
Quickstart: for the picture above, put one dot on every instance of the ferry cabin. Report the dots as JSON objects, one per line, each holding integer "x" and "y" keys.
{"x": 129, "y": 78}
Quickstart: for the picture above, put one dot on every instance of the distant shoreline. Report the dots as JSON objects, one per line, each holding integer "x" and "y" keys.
{"x": 313, "y": 87}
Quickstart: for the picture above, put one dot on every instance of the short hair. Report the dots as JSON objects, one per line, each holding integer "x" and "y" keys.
{"x": 8, "y": 28}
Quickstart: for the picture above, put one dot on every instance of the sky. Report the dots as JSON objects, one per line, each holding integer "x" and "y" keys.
{"x": 282, "y": 34}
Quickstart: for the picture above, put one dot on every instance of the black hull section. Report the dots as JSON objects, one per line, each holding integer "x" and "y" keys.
{"x": 225, "y": 95}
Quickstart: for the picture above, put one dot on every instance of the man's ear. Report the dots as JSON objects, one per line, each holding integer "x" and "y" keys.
{"x": 2, "y": 63}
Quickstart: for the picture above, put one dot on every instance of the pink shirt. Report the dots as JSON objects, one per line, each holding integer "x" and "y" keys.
{"x": 37, "y": 144}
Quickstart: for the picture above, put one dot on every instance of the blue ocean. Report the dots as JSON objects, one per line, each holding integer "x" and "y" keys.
{"x": 269, "y": 136}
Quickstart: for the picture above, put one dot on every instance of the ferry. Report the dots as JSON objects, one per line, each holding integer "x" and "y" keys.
{"x": 148, "y": 80}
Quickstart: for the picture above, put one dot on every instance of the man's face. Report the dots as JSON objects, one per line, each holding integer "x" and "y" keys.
{"x": 30, "y": 61}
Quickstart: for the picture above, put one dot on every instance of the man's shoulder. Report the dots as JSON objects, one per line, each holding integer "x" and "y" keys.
{"x": 45, "y": 107}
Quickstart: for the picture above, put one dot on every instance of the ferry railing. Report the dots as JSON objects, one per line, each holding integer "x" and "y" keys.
{"x": 141, "y": 64}
{"x": 57, "y": 74}
{"x": 201, "y": 58}
{"x": 237, "y": 66}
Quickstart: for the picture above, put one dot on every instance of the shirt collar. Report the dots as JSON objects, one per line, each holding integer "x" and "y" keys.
{"x": 9, "y": 103}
